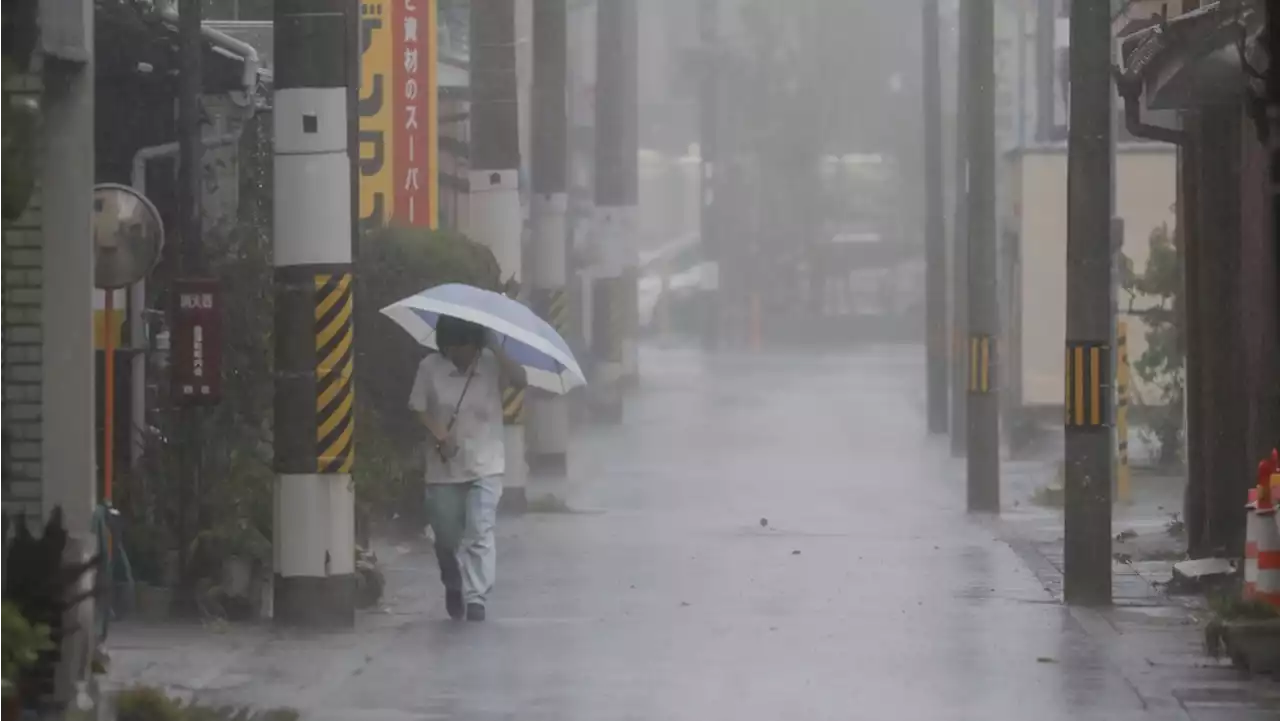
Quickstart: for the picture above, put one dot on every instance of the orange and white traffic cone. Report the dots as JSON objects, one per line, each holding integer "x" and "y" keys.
{"x": 1252, "y": 531}
{"x": 1266, "y": 503}
{"x": 1267, "y": 586}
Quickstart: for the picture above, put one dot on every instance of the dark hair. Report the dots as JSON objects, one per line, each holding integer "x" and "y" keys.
{"x": 454, "y": 332}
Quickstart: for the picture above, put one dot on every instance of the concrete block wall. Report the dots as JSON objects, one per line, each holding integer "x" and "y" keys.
{"x": 22, "y": 333}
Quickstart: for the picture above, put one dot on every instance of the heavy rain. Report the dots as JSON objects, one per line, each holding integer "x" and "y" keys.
{"x": 649, "y": 360}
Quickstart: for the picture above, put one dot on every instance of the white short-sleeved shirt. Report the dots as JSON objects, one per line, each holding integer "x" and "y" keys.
{"x": 477, "y": 428}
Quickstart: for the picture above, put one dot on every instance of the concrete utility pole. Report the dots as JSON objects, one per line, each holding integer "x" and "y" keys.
{"x": 617, "y": 192}
{"x": 66, "y": 441}
{"x": 314, "y": 396}
{"x": 984, "y": 317}
{"x": 581, "y": 69}
{"x": 1273, "y": 133}
{"x": 190, "y": 264}
{"x": 548, "y": 427}
{"x": 960, "y": 251}
{"x": 494, "y": 204}
{"x": 1089, "y": 267}
{"x": 190, "y": 145}
{"x": 629, "y": 58}
{"x": 708, "y": 121}
{"x": 935, "y": 227}
{"x": 1046, "y": 68}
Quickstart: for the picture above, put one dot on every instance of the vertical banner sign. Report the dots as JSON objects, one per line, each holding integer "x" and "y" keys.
{"x": 196, "y": 342}
{"x": 398, "y": 109}
{"x": 415, "y": 121}
{"x": 377, "y": 91}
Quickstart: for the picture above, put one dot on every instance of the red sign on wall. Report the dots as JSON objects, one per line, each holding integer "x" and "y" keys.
{"x": 196, "y": 342}
{"x": 414, "y": 125}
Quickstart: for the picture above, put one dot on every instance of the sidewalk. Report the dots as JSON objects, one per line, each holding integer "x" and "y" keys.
{"x": 261, "y": 666}
{"x": 1157, "y": 639}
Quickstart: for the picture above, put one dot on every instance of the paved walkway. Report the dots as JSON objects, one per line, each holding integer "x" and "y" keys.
{"x": 866, "y": 593}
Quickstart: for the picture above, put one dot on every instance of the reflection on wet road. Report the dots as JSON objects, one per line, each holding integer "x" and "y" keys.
{"x": 773, "y": 538}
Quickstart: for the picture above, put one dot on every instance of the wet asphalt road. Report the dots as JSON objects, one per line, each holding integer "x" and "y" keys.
{"x": 867, "y": 594}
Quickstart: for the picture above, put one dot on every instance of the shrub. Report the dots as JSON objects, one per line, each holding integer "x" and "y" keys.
{"x": 1161, "y": 365}
{"x": 391, "y": 264}
{"x": 23, "y": 643}
{"x": 143, "y": 703}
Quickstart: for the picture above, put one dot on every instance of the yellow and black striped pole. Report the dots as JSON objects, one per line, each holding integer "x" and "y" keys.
{"x": 982, "y": 358}
{"x": 982, "y": 321}
{"x": 1090, "y": 263}
{"x": 314, "y": 430}
{"x": 1087, "y": 396}
{"x": 335, "y": 391}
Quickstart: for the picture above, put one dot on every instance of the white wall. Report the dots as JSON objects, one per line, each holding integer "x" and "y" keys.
{"x": 1146, "y": 182}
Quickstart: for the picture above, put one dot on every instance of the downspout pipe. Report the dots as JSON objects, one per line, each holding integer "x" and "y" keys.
{"x": 1130, "y": 89}
{"x": 223, "y": 41}
{"x": 138, "y": 340}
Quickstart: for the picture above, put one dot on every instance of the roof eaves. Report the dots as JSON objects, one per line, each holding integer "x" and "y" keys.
{"x": 1144, "y": 49}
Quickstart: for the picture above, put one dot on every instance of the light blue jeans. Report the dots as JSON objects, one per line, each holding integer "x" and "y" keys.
{"x": 463, "y": 517}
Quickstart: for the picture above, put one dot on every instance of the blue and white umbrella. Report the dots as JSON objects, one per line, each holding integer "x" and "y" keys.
{"x": 526, "y": 338}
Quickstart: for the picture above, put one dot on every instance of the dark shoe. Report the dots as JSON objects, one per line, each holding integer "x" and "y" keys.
{"x": 475, "y": 612}
{"x": 453, "y": 604}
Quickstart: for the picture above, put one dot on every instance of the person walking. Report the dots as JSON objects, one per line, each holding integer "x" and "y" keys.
{"x": 457, "y": 395}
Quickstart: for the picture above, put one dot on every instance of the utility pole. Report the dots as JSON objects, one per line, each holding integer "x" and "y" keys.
{"x": 190, "y": 264}
{"x": 314, "y": 533}
{"x": 354, "y": 57}
{"x": 1119, "y": 443}
{"x": 1273, "y": 135}
{"x": 1046, "y": 68}
{"x": 494, "y": 204}
{"x": 66, "y": 448}
{"x": 960, "y": 249}
{"x": 617, "y": 181}
{"x": 935, "y": 227}
{"x": 983, "y": 398}
{"x": 629, "y": 58}
{"x": 708, "y": 120}
{"x": 548, "y": 427}
{"x": 1089, "y": 313}
{"x": 1021, "y": 94}
{"x": 190, "y": 146}
{"x": 580, "y": 19}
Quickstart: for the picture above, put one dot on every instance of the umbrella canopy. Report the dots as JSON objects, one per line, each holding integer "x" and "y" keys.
{"x": 528, "y": 339}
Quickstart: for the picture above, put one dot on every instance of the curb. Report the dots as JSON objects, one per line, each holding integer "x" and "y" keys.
{"x": 1092, "y": 620}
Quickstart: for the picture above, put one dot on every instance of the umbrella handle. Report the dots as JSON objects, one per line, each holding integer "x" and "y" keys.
{"x": 470, "y": 374}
